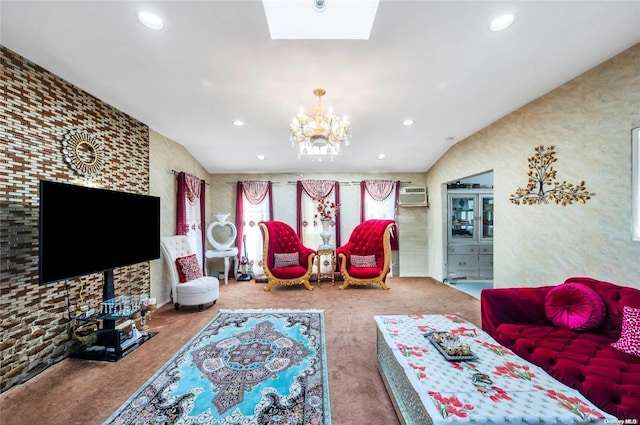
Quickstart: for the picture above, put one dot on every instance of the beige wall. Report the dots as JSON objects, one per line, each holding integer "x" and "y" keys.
{"x": 589, "y": 121}
{"x": 166, "y": 156}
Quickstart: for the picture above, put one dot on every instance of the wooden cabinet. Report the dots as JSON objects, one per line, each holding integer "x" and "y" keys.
{"x": 470, "y": 234}
{"x": 462, "y": 260}
{"x": 485, "y": 261}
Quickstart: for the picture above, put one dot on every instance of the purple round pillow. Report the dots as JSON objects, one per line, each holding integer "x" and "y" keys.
{"x": 574, "y": 306}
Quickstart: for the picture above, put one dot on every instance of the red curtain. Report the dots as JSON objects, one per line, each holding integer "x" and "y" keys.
{"x": 190, "y": 212}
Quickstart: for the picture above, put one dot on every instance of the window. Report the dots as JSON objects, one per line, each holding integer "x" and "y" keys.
{"x": 379, "y": 200}
{"x": 253, "y": 205}
{"x": 310, "y": 193}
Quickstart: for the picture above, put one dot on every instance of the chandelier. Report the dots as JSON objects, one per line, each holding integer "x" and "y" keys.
{"x": 322, "y": 135}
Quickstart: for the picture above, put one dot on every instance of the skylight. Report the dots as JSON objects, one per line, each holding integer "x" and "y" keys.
{"x": 320, "y": 19}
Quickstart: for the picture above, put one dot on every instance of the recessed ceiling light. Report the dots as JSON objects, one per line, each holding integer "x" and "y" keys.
{"x": 238, "y": 123}
{"x": 381, "y": 156}
{"x": 319, "y": 5}
{"x": 408, "y": 122}
{"x": 150, "y": 20}
{"x": 501, "y": 22}
{"x": 261, "y": 157}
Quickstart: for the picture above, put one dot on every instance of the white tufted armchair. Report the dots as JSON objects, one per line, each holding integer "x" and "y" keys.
{"x": 199, "y": 291}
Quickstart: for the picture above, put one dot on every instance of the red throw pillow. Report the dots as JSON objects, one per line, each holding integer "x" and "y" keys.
{"x": 286, "y": 260}
{"x": 364, "y": 261}
{"x": 188, "y": 268}
{"x": 574, "y": 306}
{"x": 629, "y": 341}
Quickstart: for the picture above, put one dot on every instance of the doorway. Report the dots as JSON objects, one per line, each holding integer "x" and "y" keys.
{"x": 469, "y": 231}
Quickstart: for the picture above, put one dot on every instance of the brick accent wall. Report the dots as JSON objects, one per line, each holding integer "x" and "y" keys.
{"x": 37, "y": 109}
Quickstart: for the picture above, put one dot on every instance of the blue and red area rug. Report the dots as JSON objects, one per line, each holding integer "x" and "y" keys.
{"x": 244, "y": 367}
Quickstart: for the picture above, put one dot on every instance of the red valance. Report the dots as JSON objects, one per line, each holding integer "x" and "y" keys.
{"x": 379, "y": 190}
{"x": 255, "y": 191}
{"x": 318, "y": 189}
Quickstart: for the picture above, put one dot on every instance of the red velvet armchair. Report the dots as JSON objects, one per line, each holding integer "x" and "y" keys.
{"x": 285, "y": 260}
{"x": 366, "y": 258}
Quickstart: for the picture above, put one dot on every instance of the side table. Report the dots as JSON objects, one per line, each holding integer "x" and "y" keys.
{"x": 226, "y": 254}
{"x": 330, "y": 252}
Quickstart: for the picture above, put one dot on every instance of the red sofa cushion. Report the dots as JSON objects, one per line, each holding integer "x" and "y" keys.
{"x": 364, "y": 272}
{"x": 291, "y": 272}
{"x": 188, "y": 268}
{"x": 574, "y": 306}
{"x": 615, "y": 297}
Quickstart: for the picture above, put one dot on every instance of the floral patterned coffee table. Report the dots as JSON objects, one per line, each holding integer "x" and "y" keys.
{"x": 497, "y": 388}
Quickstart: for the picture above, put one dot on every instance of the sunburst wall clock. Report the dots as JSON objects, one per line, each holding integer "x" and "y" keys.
{"x": 83, "y": 152}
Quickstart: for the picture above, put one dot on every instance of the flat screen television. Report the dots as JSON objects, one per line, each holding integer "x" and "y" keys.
{"x": 84, "y": 230}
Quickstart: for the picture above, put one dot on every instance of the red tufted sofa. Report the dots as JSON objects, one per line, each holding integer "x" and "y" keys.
{"x": 609, "y": 378}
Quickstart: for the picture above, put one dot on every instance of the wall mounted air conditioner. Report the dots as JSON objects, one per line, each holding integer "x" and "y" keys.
{"x": 416, "y": 196}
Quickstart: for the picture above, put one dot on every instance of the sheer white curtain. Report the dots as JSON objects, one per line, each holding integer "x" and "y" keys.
{"x": 379, "y": 199}
{"x": 256, "y": 207}
{"x": 254, "y": 214}
{"x": 311, "y": 226}
{"x": 311, "y": 193}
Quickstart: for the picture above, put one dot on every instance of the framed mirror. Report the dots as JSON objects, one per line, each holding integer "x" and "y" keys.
{"x": 83, "y": 152}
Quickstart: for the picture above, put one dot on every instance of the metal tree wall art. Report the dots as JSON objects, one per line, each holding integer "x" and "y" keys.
{"x": 542, "y": 186}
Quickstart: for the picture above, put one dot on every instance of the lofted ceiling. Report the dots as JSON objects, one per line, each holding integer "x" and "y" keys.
{"x": 214, "y": 62}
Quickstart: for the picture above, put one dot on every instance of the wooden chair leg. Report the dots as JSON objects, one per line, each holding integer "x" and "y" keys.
{"x": 270, "y": 283}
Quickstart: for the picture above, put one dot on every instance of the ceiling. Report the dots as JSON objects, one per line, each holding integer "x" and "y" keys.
{"x": 214, "y": 62}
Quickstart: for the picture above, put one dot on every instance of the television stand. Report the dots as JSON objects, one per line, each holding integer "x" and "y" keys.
{"x": 110, "y": 342}
{"x": 112, "y": 345}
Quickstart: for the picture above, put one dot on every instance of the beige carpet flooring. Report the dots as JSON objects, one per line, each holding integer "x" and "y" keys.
{"x": 86, "y": 392}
